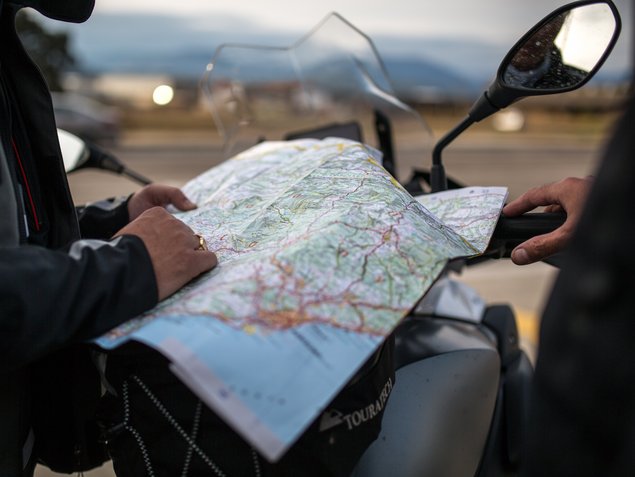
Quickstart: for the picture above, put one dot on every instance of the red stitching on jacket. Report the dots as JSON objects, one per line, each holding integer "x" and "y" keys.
{"x": 26, "y": 184}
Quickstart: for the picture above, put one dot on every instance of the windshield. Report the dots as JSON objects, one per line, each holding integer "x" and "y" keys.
{"x": 331, "y": 75}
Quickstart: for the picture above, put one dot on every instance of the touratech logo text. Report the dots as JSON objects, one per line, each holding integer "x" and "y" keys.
{"x": 333, "y": 417}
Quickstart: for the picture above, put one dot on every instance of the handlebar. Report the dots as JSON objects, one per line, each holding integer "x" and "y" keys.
{"x": 524, "y": 227}
{"x": 512, "y": 231}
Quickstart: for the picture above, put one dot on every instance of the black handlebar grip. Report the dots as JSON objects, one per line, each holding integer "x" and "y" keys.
{"x": 526, "y": 226}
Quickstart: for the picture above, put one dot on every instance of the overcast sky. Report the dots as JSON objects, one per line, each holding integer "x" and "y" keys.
{"x": 495, "y": 19}
{"x": 469, "y": 36}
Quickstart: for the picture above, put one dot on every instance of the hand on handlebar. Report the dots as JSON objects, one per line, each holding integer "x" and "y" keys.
{"x": 157, "y": 195}
{"x": 568, "y": 195}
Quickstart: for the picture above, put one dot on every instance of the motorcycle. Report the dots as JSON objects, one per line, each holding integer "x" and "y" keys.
{"x": 461, "y": 394}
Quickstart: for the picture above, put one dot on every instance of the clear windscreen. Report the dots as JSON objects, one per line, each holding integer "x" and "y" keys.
{"x": 333, "y": 75}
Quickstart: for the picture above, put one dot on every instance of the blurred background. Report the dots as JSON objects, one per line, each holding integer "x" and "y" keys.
{"x": 134, "y": 58}
{"x": 128, "y": 79}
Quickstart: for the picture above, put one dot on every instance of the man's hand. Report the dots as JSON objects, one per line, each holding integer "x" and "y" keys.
{"x": 173, "y": 248}
{"x": 568, "y": 195}
{"x": 157, "y": 195}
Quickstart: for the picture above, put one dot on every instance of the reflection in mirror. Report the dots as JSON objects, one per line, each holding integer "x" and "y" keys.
{"x": 563, "y": 52}
{"x": 74, "y": 151}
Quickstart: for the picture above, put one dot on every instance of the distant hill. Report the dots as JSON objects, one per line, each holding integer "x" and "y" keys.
{"x": 155, "y": 44}
{"x": 419, "y": 79}
{"x": 419, "y": 67}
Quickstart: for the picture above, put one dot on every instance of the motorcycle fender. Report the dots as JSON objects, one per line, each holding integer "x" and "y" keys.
{"x": 438, "y": 417}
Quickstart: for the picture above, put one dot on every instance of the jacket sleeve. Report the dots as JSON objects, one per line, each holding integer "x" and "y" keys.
{"x": 49, "y": 299}
{"x": 102, "y": 219}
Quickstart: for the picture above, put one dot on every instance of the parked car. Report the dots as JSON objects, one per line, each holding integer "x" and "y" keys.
{"x": 86, "y": 118}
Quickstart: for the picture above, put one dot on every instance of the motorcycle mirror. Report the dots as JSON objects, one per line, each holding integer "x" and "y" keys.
{"x": 78, "y": 154}
{"x": 561, "y": 53}
{"x": 75, "y": 151}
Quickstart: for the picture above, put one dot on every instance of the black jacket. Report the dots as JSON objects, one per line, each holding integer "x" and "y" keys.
{"x": 56, "y": 291}
{"x": 582, "y": 421}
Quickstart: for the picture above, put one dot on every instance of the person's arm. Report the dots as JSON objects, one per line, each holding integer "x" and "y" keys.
{"x": 101, "y": 219}
{"x": 53, "y": 298}
{"x": 104, "y": 218}
{"x": 568, "y": 195}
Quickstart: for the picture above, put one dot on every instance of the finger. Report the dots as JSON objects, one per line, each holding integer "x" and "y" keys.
{"x": 553, "y": 208}
{"x": 199, "y": 262}
{"x": 543, "y": 195}
{"x": 162, "y": 195}
{"x": 205, "y": 261}
{"x": 171, "y": 275}
{"x": 540, "y": 247}
{"x": 177, "y": 198}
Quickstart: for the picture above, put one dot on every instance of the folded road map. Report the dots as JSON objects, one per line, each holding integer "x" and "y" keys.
{"x": 320, "y": 254}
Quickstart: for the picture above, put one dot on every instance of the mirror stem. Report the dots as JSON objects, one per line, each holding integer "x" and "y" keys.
{"x": 136, "y": 176}
{"x": 481, "y": 109}
{"x": 438, "y": 179}
{"x": 103, "y": 160}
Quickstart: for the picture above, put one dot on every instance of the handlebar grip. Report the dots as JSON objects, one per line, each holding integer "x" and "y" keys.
{"x": 526, "y": 226}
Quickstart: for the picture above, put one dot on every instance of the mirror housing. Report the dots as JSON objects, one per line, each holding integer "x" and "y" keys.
{"x": 563, "y": 66}
{"x": 75, "y": 152}
{"x": 78, "y": 154}
{"x": 557, "y": 41}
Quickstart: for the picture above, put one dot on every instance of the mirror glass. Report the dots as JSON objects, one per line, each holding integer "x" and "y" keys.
{"x": 563, "y": 51}
{"x": 74, "y": 150}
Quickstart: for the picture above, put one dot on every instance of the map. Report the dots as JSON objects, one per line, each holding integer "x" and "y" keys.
{"x": 320, "y": 254}
{"x": 471, "y": 212}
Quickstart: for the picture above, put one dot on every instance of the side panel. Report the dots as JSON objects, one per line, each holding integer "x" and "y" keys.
{"x": 437, "y": 418}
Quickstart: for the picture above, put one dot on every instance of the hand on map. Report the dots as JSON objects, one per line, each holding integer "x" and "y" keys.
{"x": 173, "y": 248}
{"x": 157, "y": 195}
{"x": 568, "y": 195}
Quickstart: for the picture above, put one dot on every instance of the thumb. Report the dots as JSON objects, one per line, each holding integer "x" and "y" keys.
{"x": 537, "y": 248}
